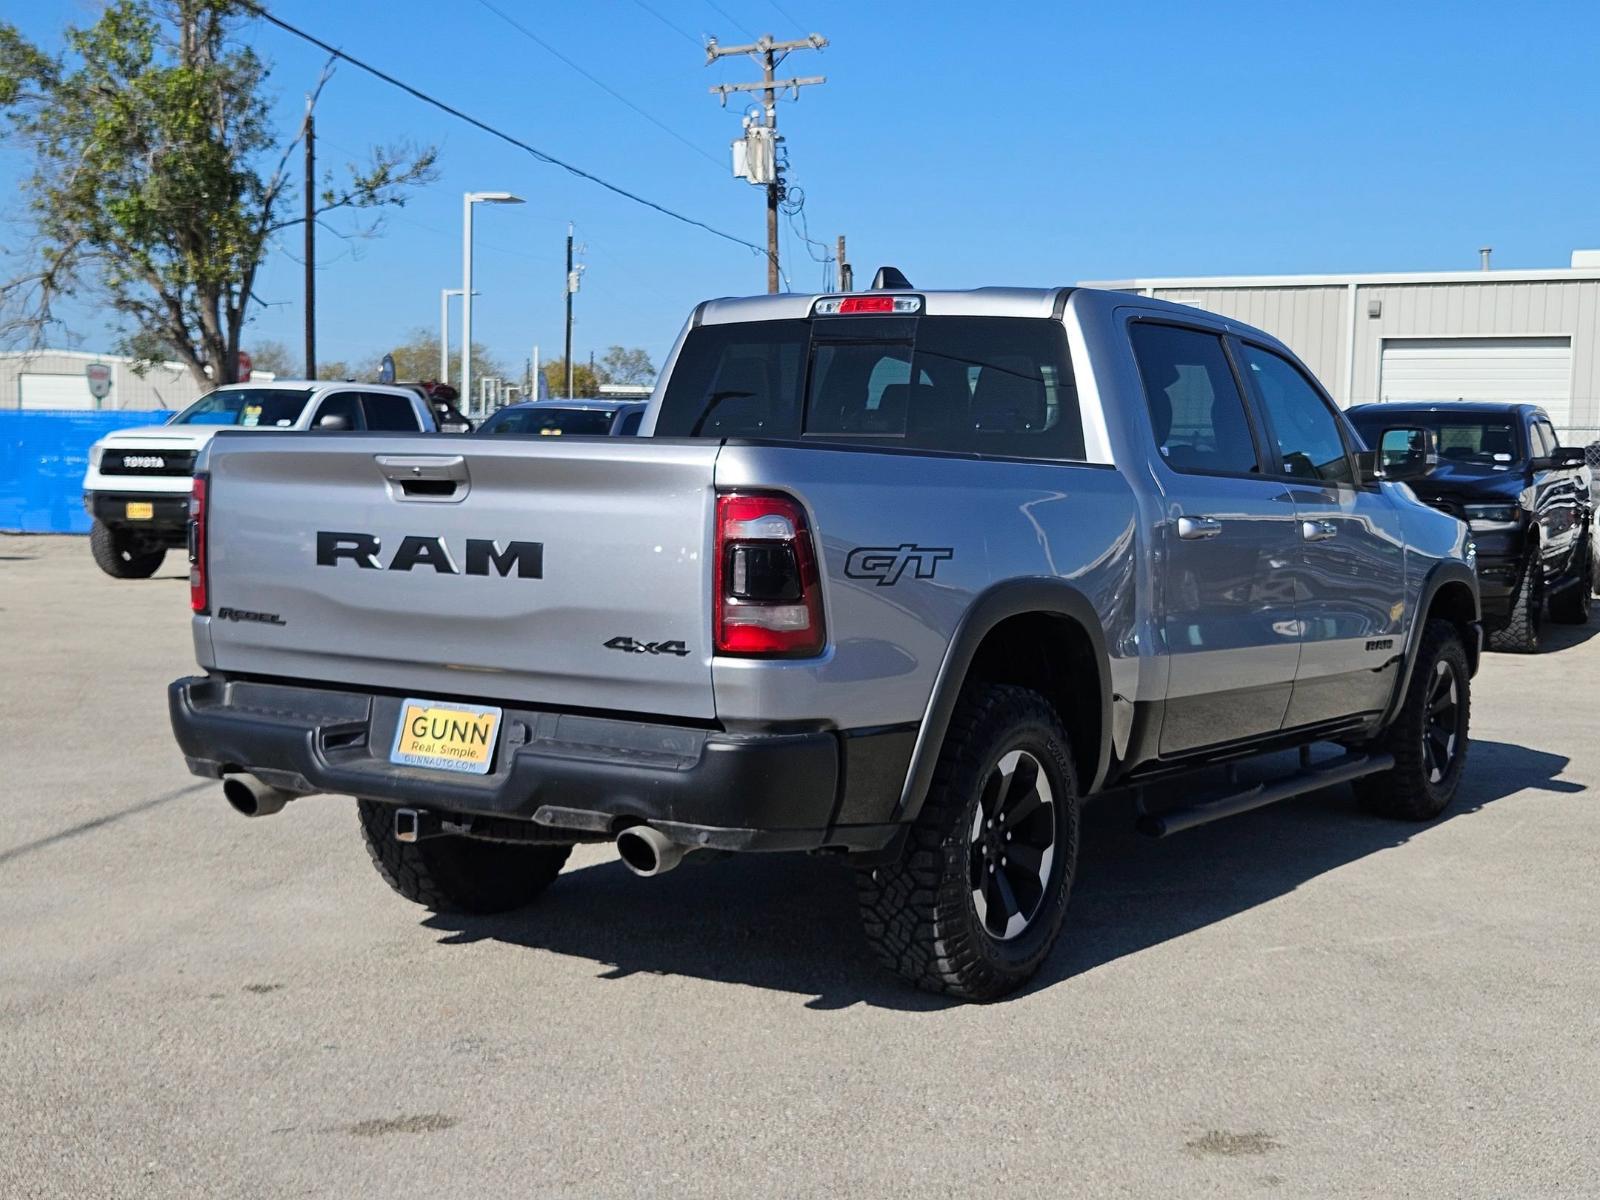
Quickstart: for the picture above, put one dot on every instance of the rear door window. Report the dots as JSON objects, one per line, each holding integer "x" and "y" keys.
{"x": 389, "y": 412}
{"x": 1196, "y": 412}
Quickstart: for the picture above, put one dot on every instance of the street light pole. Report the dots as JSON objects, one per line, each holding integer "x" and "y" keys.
{"x": 468, "y": 199}
{"x": 444, "y": 332}
{"x": 466, "y": 302}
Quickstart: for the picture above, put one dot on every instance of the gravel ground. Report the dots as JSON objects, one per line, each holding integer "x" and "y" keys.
{"x": 1302, "y": 1001}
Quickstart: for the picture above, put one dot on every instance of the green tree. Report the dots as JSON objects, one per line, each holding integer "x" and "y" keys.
{"x": 417, "y": 358}
{"x": 273, "y": 357}
{"x": 337, "y": 370}
{"x": 158, "y": 180}
{"x": 622, "y": 365}
{"x": 586, "y": 380}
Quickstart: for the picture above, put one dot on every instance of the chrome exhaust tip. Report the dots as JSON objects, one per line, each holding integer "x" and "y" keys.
{"x": 648, "y": 852}
{"x": 249, "y": 797}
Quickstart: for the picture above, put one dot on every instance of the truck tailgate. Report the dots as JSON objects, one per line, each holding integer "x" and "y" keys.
{"x": 570, "y": 572}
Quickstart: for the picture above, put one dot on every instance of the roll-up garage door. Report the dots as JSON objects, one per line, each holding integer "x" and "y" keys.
{"x": 41, "y": 391}
{"x": 1531, "y": 370}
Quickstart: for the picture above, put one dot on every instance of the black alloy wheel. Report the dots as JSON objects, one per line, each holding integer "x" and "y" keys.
{"x": 1441, "y": 729}
{"x": 1012, "y": 845}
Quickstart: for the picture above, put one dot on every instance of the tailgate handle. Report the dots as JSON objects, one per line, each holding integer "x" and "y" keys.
{"x": 424, "y": 476}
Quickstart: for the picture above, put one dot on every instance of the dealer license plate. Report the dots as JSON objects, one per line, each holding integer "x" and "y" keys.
{"x": 141, "y": 510}
{"x": 450, "y": 737}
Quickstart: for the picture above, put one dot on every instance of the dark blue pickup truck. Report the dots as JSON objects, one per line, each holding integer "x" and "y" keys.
{"x": 1528, "y": 499}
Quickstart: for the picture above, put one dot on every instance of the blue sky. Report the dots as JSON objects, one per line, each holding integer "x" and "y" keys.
{"x": 1036, "y": 143}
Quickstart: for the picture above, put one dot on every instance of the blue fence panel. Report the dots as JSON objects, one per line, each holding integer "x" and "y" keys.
{"x": 43, "y": 456}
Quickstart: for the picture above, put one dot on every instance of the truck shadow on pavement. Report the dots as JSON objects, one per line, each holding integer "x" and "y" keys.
{"x": 1565, "y": 637}
{"x": 788, "y": 923}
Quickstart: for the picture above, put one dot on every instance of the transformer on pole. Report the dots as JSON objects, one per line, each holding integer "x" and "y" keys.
{"x": 755, "y": 156}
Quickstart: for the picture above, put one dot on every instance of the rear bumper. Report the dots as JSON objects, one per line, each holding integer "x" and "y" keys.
{"x": 572, "y": 776}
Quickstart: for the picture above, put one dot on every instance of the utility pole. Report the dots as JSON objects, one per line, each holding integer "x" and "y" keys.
{"x": 845, "y": 273}
{"x": 311, "y": 241}
{"x": 763, "y": 168}
{"x": 572, "y": 286}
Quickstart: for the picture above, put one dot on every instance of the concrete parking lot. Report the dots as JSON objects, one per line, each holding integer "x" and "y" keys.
{"x": 1303, "y": 1001}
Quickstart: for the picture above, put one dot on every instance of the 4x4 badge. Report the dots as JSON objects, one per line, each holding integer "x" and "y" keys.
{"x": 886, "y": 564}
{"x": 628, "y": 646}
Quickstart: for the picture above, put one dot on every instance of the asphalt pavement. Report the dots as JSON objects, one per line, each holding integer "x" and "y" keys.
{"x": 1302, "y": 1001}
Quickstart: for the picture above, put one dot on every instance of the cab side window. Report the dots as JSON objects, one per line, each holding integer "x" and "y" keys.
{"x": 344, "y": 406}
{"x": 1304, "y": 427}
{"x": 1196, "y": 411}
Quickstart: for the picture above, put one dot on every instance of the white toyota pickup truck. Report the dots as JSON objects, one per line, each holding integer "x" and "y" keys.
{"x": 137, "y": 485}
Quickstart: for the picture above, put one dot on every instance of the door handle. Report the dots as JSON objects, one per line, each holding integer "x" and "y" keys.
{"x": 1197, "y": 529}
{"x": 1318, "y": 531}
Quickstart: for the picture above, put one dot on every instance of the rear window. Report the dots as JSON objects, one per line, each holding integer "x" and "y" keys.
{"x": 550, "y": 422}
{"x": 268, "y": 408}
{"x": 987, "y": 385}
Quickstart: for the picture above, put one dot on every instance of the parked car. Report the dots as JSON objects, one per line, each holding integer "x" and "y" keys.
{"x": 1528, "y": 499}
{"x": 899, "y": 576}
{"x": 555, "y": 418}
{"x": 138, "y": 482}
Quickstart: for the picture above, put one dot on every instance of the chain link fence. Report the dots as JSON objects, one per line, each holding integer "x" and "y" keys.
{"x": 1587, "y": 436}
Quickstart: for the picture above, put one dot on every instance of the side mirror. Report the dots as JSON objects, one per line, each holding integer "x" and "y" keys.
{"x": 333, "y": 422}
{"x": 1403, "y": 456}
{"x": 1567, "y": 457}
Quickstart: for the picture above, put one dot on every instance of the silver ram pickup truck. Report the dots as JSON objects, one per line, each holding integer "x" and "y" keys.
{"x": 904, "y": 576}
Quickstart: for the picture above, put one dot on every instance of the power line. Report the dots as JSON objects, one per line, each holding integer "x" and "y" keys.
{"x": 777, "y": 8}
{"x": 730, "y": 18}
{"x": 794, "y": 205}
{"x": 677, "y": 29}
{"x": 599, "y": 83}
{"x": 541, "y": 155}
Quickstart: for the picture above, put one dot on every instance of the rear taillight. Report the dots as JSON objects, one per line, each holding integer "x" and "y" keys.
{"x": 198, "y": 598}
{"x": 769, "y": 596}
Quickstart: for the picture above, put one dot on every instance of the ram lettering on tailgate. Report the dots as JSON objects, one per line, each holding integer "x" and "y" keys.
{"x": 415, "y": 550}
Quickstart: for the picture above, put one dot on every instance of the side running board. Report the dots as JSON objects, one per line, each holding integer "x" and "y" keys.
{"x": 1308, "y": 779}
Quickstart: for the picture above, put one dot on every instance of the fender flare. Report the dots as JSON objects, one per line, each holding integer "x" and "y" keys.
{"x": 1013, "y": 598}
{"x": 1445, "y": 571}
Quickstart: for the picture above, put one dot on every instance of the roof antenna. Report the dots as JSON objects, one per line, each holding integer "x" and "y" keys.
{"x": 889, "y": 278}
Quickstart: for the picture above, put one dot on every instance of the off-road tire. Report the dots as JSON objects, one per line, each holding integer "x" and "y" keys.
{"x": 116, "y": 554}
{"x": 1406, "y": 792}
{"x": 458, "y": 874}
{"x": 918, "y": 913}
{"x": 1571, "y": 605}
{"x": 1520, "y": 633}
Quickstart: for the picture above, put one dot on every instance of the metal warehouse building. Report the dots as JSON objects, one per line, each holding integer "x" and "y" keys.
{"x": 55, "y": 380}
{"x": 1454, "y": 335}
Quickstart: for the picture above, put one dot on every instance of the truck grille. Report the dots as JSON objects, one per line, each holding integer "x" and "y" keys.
{"x": 147, "y": 462}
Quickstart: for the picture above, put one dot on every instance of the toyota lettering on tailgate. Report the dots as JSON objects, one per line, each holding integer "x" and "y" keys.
{"x": 483, "y": 556}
